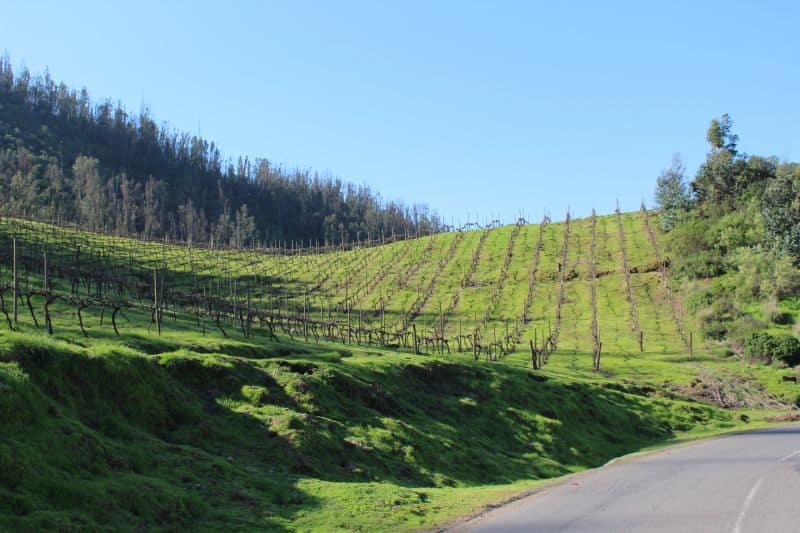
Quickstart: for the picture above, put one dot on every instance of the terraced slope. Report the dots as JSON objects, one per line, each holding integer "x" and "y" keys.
{"x": 500, "y": 287}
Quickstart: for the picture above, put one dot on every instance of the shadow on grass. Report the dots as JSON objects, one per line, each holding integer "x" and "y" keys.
{"x": 445, "y": 424}
{"x": 260, "y": 422}
{"x": 136, "y": 445}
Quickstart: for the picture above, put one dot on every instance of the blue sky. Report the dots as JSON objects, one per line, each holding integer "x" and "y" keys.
{"x": 478, "y": 108}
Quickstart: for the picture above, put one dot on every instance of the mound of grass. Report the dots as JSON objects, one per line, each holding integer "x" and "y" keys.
{"x": 108, "y": 436}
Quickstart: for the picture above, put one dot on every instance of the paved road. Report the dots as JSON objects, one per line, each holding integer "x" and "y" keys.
{"x": 736, "y": 484}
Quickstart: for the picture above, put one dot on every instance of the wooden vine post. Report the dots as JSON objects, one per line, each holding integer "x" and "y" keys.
{"x": 15, "y": 278}
{"x": 48, "y": 298}
{"x": 155, "y": 301}
{"x": 441, "y": 322}
{"x": 347, "y": 303}
{"x": 599, "y": 352}
{"x": 305, "y": 315}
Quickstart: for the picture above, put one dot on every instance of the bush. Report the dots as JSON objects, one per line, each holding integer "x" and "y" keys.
{"x": 713, "y": 328}
{"x": 782, "y": 317}
{"x": 787, "y": 349}
{"x": 742, "y": 327}
{"x": 715, "y": 322}
{"x": 762, "y": 345}
{"x": 757, "y": 345}
{"x": 699, "y": 299}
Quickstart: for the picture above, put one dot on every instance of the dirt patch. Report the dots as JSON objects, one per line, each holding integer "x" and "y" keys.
{"x": 730, "y": 392}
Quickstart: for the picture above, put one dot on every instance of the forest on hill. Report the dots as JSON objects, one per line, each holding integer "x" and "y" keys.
{"x": 66, "y": 158}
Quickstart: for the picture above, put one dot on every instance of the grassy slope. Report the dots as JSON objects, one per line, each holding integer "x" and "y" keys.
{"x": 184, "y": 431}
{"x": 192, "y": 430}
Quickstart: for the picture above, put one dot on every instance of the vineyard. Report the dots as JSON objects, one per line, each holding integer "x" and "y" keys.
{"x": 395, "y": 384}
{"x": 531, "y": 289}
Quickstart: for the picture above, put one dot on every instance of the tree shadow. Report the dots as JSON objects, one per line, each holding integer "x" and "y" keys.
{"x": 444, "y": 423}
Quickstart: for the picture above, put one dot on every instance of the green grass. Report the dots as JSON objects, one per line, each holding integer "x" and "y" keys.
{"x": 193, "y": 430}
{"x": 178, "y": 432}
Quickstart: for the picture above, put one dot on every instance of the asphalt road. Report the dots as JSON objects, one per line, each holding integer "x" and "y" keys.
{"x": 740, "y": 483}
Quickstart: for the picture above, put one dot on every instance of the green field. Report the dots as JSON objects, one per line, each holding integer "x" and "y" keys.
{"x": 211, "y": 425}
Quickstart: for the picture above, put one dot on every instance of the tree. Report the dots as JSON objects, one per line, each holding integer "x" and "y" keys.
{"x": 755, "y": 175}
{"x": 89, "y": 191}
{"x": 130, "y": 201}
{"x": 765, "y": 273}
{"x": 222, "y": 231}
{"x": 244, "y": 228}
{"x": 780, "y": 207}
{"x": 153, "y": 209}
{"x": 24, "y": 193}
{"x": 191, "y": 222}
{"x": 58, "y": 203}
{"x": 672, "y": 195}
{"x": 719, "y": 135}
{"x": 717, "y": 178}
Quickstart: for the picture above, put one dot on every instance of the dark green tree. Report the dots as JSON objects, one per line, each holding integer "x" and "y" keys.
{"x": 716, "y": 180}
{"x": 780, "y": 207}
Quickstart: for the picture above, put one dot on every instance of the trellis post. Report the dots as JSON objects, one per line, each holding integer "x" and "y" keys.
{"x": 16, "y": 279}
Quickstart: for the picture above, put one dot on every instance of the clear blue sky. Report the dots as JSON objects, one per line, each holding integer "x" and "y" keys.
{"x": 494, "y": 108}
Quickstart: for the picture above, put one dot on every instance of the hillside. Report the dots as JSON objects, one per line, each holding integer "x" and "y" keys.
{"x": 499, "y": 286}
{"x": 187, "y": 387}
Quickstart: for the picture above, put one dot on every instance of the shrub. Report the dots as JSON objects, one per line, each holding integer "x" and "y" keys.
{"x": 715, "y": 322}
{"x": 757, "y": 345}
{"x": 787, "y": 349}
{"x": 699, "y": 299}
{"x": 740, "y": 328}
{"x": 713, "y": 328}
{"x": 782, "y": 317}
{"x": 762, "y": 345}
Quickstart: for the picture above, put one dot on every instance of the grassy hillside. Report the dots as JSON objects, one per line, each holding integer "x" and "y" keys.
{"x": 182, "y": 433}
{"x": 214, "y": 423}
{"x": 428, "y": 281}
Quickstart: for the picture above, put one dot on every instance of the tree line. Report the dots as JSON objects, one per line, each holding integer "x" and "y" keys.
{"x": 64, "y": 157}
{"x": 736, "y": 224}
{"x": 729, "y": 181}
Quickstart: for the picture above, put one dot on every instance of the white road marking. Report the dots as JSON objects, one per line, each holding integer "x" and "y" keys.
{"x": 746, "y": 505}
{"x": 752, "y": 494}
{"x": 793, "y": 454}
